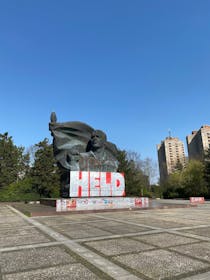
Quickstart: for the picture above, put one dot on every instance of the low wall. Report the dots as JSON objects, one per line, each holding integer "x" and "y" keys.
{"x": 98, "y": 203}
{"x": 48, "y": 201}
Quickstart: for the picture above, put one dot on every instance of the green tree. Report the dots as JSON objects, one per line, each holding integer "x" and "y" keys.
{"x": 179, "y": 166}
{"x": 14, "y": 164}
{"x": 193, "y": 179}
{"x": 187, "y": 182}
{"x": 207, "y": 169}
{"x": 172, "y": 188}
{"x": 44, "y": 173}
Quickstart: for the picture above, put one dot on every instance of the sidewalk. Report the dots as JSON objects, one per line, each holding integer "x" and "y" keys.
{"x": 147, "y": 244}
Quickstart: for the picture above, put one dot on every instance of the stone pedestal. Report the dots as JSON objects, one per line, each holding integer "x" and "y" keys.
{"x": 96, "y": 203}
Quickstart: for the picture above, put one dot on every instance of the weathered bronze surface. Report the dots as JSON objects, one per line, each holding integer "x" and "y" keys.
{"x": 79, "y": 147}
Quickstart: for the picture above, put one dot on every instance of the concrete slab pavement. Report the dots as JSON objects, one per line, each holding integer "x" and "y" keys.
{"x": 148, "y": 244}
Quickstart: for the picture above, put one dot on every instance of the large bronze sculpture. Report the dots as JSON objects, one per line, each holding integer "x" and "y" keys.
{"x": 79, "y": 147}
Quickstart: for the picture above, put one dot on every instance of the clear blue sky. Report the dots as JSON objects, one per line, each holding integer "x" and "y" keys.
{"x": 133, "y": 68}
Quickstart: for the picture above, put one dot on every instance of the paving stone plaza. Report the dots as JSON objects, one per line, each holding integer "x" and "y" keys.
{"x": 145, "y": 244}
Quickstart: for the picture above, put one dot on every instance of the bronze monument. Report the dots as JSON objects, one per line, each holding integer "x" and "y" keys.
{"x": 79, "y": 147}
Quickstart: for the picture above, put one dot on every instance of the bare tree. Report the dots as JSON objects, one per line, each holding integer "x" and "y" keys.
{"x": 31, "y": 151}
{"x": 149, "y": 167}
{"x": 135, "y": 158}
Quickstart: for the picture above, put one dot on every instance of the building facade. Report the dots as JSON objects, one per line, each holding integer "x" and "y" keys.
{"x": 171, "y": 156}
{"x": 198, "y": 142}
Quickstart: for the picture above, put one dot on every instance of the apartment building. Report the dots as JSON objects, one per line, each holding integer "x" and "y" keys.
{"x": 198, "y": 142}
{"x": 170, "y": 155}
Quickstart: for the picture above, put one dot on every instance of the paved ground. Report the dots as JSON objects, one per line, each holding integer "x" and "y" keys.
{"x": 146, "y": 244}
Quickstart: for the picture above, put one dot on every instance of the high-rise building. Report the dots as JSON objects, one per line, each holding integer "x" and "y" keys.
{"x": 198, "y": 142}
{"x": 171, "y": 156}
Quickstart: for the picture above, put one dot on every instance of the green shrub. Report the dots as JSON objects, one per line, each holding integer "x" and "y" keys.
{"x": 19, "y": 191}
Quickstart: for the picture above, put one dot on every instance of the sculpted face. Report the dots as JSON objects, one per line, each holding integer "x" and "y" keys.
{"x": 98, "y": 138}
